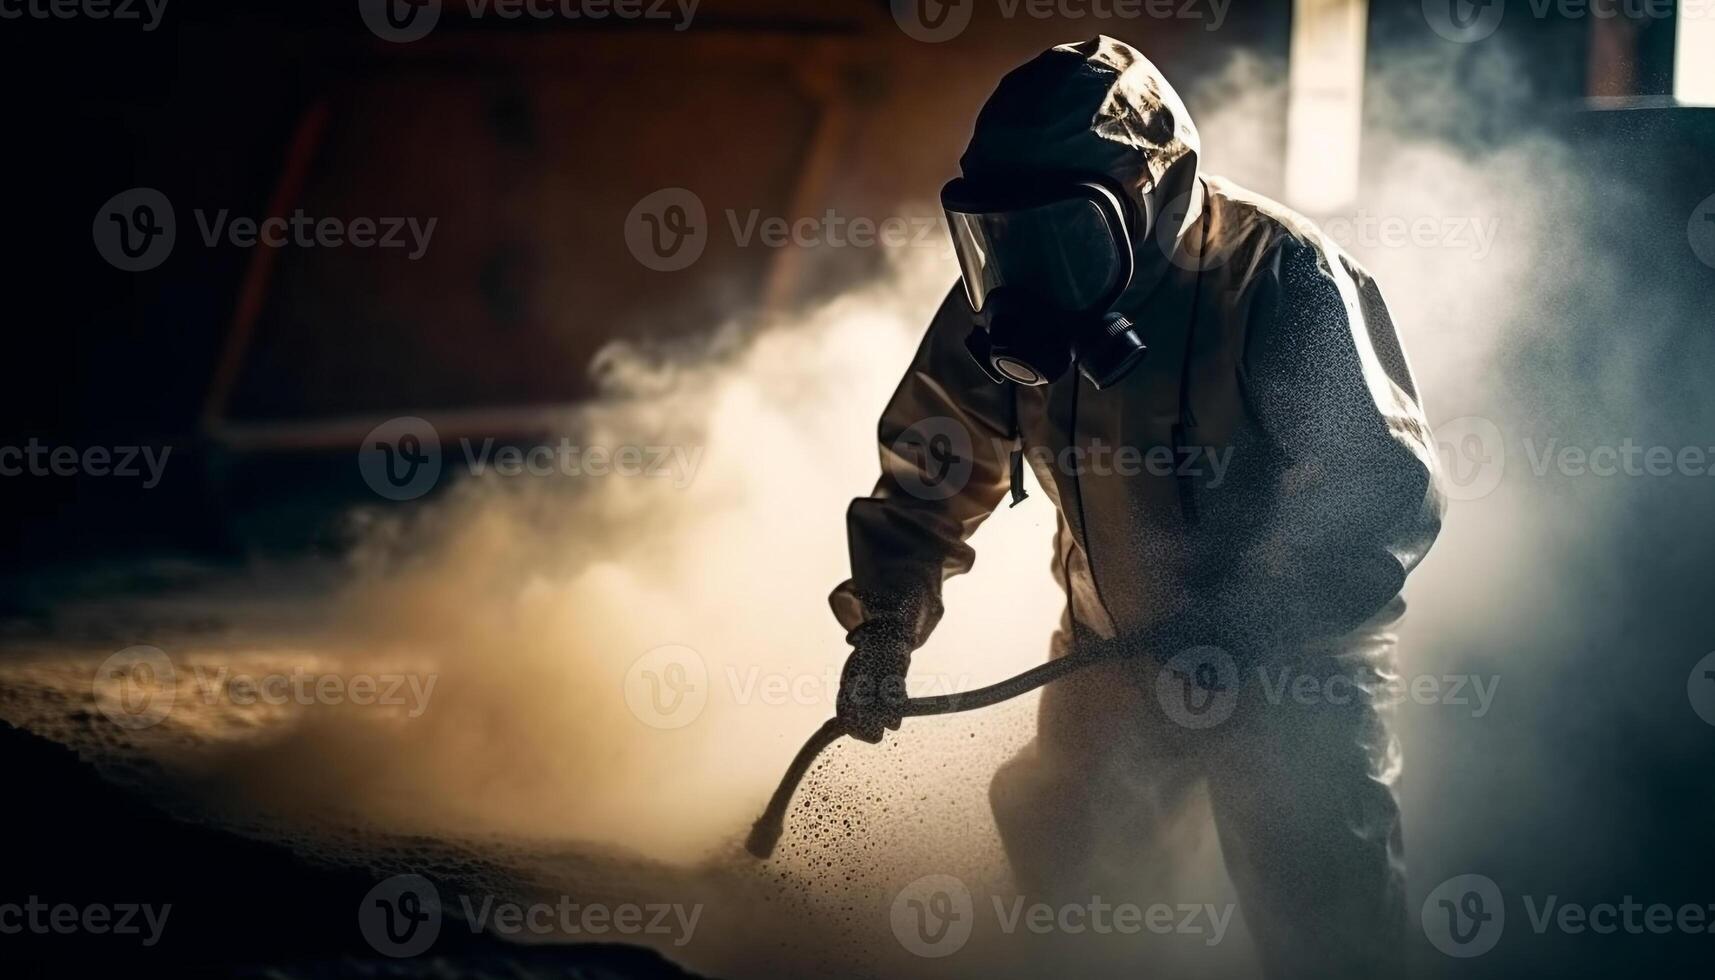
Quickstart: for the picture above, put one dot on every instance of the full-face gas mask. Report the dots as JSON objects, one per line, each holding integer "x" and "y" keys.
{"x": 1042, "y": 271}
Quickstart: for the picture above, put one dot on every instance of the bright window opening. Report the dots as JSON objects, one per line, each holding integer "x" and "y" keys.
{"x": 1325, "y": 104}
{"x": 1694, "y": 53}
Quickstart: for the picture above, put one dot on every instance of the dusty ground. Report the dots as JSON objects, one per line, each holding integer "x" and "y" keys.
{"x": 267, "y": 859}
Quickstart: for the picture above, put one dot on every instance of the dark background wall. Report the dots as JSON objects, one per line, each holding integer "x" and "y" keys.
{"x": 527, "y": 142}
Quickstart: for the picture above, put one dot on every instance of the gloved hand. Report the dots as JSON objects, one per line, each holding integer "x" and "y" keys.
{"x": 872, "y": 685}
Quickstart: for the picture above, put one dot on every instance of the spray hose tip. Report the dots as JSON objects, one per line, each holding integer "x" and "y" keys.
{"x": 764, "y": 836}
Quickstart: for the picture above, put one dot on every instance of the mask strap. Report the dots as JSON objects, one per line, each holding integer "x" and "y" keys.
{"x": 1016, "y": 462}
{"x": 1187, "y": 418}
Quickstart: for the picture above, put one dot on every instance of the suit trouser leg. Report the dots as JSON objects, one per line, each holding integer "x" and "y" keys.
{"x": 1304, "y": 790}
{"x": 1096, "y": 804}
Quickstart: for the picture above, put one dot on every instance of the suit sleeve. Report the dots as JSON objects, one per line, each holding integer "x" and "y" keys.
{"x": 1327, "y": 378}
{"x": 944, "y": 439}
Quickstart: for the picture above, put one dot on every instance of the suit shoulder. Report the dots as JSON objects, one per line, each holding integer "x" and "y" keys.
{"x": 1268, "y": 234}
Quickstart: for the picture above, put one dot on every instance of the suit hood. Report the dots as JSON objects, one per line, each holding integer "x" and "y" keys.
{"x": 1097, "y": 107}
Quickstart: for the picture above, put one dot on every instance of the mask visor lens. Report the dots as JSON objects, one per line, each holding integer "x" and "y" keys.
{"x": 1064, "y": 252}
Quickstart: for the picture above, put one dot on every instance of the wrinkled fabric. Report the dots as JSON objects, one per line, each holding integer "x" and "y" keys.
{"x": 1282, "y": 485}
{"x": 1302, "y": 487}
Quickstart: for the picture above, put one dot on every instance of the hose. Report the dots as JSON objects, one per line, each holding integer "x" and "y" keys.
{"x": 766, "y": 832}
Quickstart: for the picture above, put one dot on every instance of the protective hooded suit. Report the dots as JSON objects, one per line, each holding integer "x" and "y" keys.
{"x": 1243, "y": 507}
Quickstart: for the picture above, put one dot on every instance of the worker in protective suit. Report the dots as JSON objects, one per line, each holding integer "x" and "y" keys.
{"x": 1216, "y": 400}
